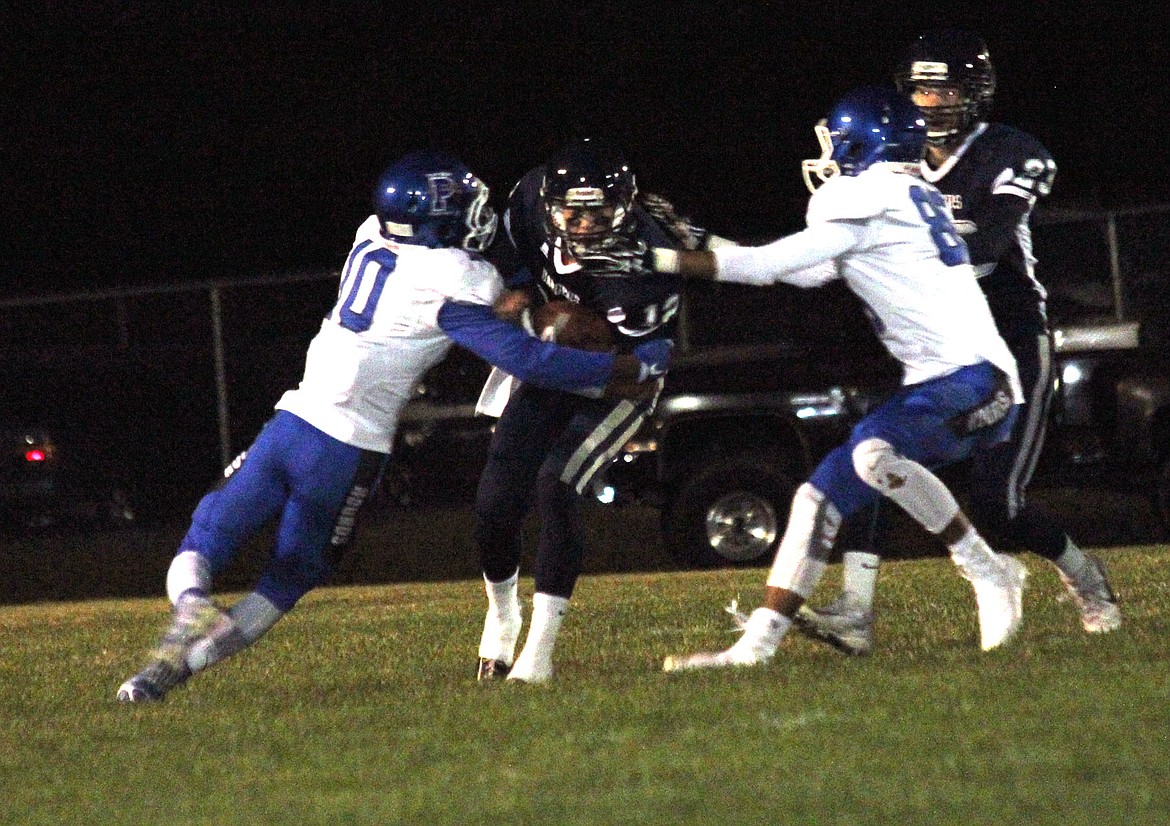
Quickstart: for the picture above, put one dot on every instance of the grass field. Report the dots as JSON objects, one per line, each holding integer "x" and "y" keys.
{"x": 361, "y": 708}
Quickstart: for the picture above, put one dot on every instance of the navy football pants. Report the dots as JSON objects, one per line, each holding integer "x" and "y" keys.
{"x": 547, "y": 448}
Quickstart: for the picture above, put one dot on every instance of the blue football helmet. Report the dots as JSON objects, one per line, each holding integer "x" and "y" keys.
{"x": 869, "y": 125}
{"x": 431, "y": 199}
{"x": 588, "y": 197}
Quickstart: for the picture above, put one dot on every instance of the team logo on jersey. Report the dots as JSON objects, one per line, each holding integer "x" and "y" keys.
{"x": 236, "y": 464}
{"x": 444, "y": 187}
{"x": 985, "y": 415}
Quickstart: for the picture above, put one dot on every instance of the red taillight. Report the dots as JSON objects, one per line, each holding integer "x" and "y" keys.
{"x": 34, "y": 455}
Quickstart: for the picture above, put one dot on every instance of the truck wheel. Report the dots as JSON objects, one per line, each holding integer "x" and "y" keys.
{"x": 730, "y": 512}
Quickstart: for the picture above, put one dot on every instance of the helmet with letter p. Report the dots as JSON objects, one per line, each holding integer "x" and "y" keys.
{"x": 432, "y": 199}
{"x": 867, "y": 126}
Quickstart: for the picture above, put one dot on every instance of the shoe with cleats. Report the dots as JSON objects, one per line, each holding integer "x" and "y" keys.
{"x": 999, "y": 595}
{"x": 841, "y": 624}
{"x": 151, "y": 683}
{"x": 762, "y": 634}
{"x": 195, "y": 618}
{"x": 491, "y": 670}
{"x": 1094, "y": 597}
{"x": 529, "y": 669}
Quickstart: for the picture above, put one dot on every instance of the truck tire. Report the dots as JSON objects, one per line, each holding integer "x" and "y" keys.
{"x": 729, "y": 512}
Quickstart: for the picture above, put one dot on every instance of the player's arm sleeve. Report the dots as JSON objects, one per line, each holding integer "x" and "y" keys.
{"x": 504, "y": 345}
{"x": 803, "y": 258}
{"x": 998, "y": 223}
{"x": 520, "y": 279}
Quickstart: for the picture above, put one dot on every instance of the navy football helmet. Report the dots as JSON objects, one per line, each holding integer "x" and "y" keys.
{"x": 431, "y": 199}
{"x": 869, "y": 125}
{"x": 588, "y": 197}
{"x": 954, "y": 67}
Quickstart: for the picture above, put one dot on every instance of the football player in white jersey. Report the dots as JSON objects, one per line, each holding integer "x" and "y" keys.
{"x": 874, "y": 223}
{"x": 991, "y": 176}
{"x": 413, "y": 283}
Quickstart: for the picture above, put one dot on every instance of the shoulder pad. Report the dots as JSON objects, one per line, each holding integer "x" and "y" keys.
{"x": 845, "y": 198}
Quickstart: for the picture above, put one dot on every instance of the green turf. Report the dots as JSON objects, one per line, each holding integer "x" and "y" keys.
{"x": 361, "y": 708}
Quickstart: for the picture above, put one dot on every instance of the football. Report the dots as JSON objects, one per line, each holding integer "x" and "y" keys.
{"x": 572, "y": 325}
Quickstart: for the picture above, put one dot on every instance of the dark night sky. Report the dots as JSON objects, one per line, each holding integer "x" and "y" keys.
{"x": 148, "y": 143}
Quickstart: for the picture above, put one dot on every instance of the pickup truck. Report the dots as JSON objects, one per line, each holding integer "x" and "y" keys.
{"x": 767, "y": 381}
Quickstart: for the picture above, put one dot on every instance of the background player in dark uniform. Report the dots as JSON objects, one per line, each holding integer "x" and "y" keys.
{"x": 991, "y": 176}
{"x": 580, "y": 229}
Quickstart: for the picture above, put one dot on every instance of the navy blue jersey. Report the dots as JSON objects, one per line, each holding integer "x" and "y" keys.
{"x": 638, "y": 303}
{"x": 991, "y": 184}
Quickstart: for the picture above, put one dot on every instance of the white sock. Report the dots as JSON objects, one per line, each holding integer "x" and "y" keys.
{"x": 535, "y": 660}
{"x": 859, "y": 577}
{"x": 973, "y": 555}
{"x": 251, "y": 618}
{"x": 501, "y": 625}
{"x": 189, "y": 570}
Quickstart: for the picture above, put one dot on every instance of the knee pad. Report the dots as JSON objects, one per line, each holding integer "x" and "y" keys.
{"x": 912, "y": 486}
{"x": 808, "y": 540}
{"x": 879, "y": 465}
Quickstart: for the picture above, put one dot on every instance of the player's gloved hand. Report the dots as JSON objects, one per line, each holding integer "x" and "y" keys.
{"x": 655, "y": 358}
{"x": 614, "y": 262}
{"x": 637, "y": 375}
{"x": 514, "y": 306}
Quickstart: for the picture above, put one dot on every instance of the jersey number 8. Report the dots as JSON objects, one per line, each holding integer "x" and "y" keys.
{"x": 951, "y": 248}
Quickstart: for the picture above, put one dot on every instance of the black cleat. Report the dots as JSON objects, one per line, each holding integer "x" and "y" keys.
{"x": 153, "y": 682}
{"x": 492, "y": 670}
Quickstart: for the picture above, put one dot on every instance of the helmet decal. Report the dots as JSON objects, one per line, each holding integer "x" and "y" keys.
{"x": 432, "y": 199}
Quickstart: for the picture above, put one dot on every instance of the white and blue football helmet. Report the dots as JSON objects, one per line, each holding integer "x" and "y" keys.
{"x": 869, "y": 125}
{"x": 432, "y": 199}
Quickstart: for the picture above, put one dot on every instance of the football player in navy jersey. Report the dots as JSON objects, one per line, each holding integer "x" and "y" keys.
{"x": 580, "y": 229}
{"x": 414, "y": 282}
{"x": 991, "y": 175}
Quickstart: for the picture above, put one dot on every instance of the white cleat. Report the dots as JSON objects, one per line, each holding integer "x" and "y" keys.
{"x": 497, "y": 646}
{"x": 1094, "y": 597}
{"x": 762, "y": 633}
{"x": 528, "y": 670}
{"x": 840, "y": 624}
{"x": 999, "y": 594}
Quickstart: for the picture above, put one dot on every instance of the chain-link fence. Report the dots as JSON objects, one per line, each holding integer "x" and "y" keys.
{"x": 154, "y": 388}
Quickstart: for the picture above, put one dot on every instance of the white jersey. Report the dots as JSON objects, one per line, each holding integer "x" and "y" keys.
{"x": 887, "y": 234}
{"x": 383, "y": 335}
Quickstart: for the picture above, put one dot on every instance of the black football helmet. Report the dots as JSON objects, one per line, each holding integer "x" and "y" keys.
{"x": 588, "y": 197}
{"x": 431, "y": 199}
{"x": 956, "y": 64}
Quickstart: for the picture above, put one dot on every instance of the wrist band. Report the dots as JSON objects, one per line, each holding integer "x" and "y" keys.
{"x": 665, "y": 260}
